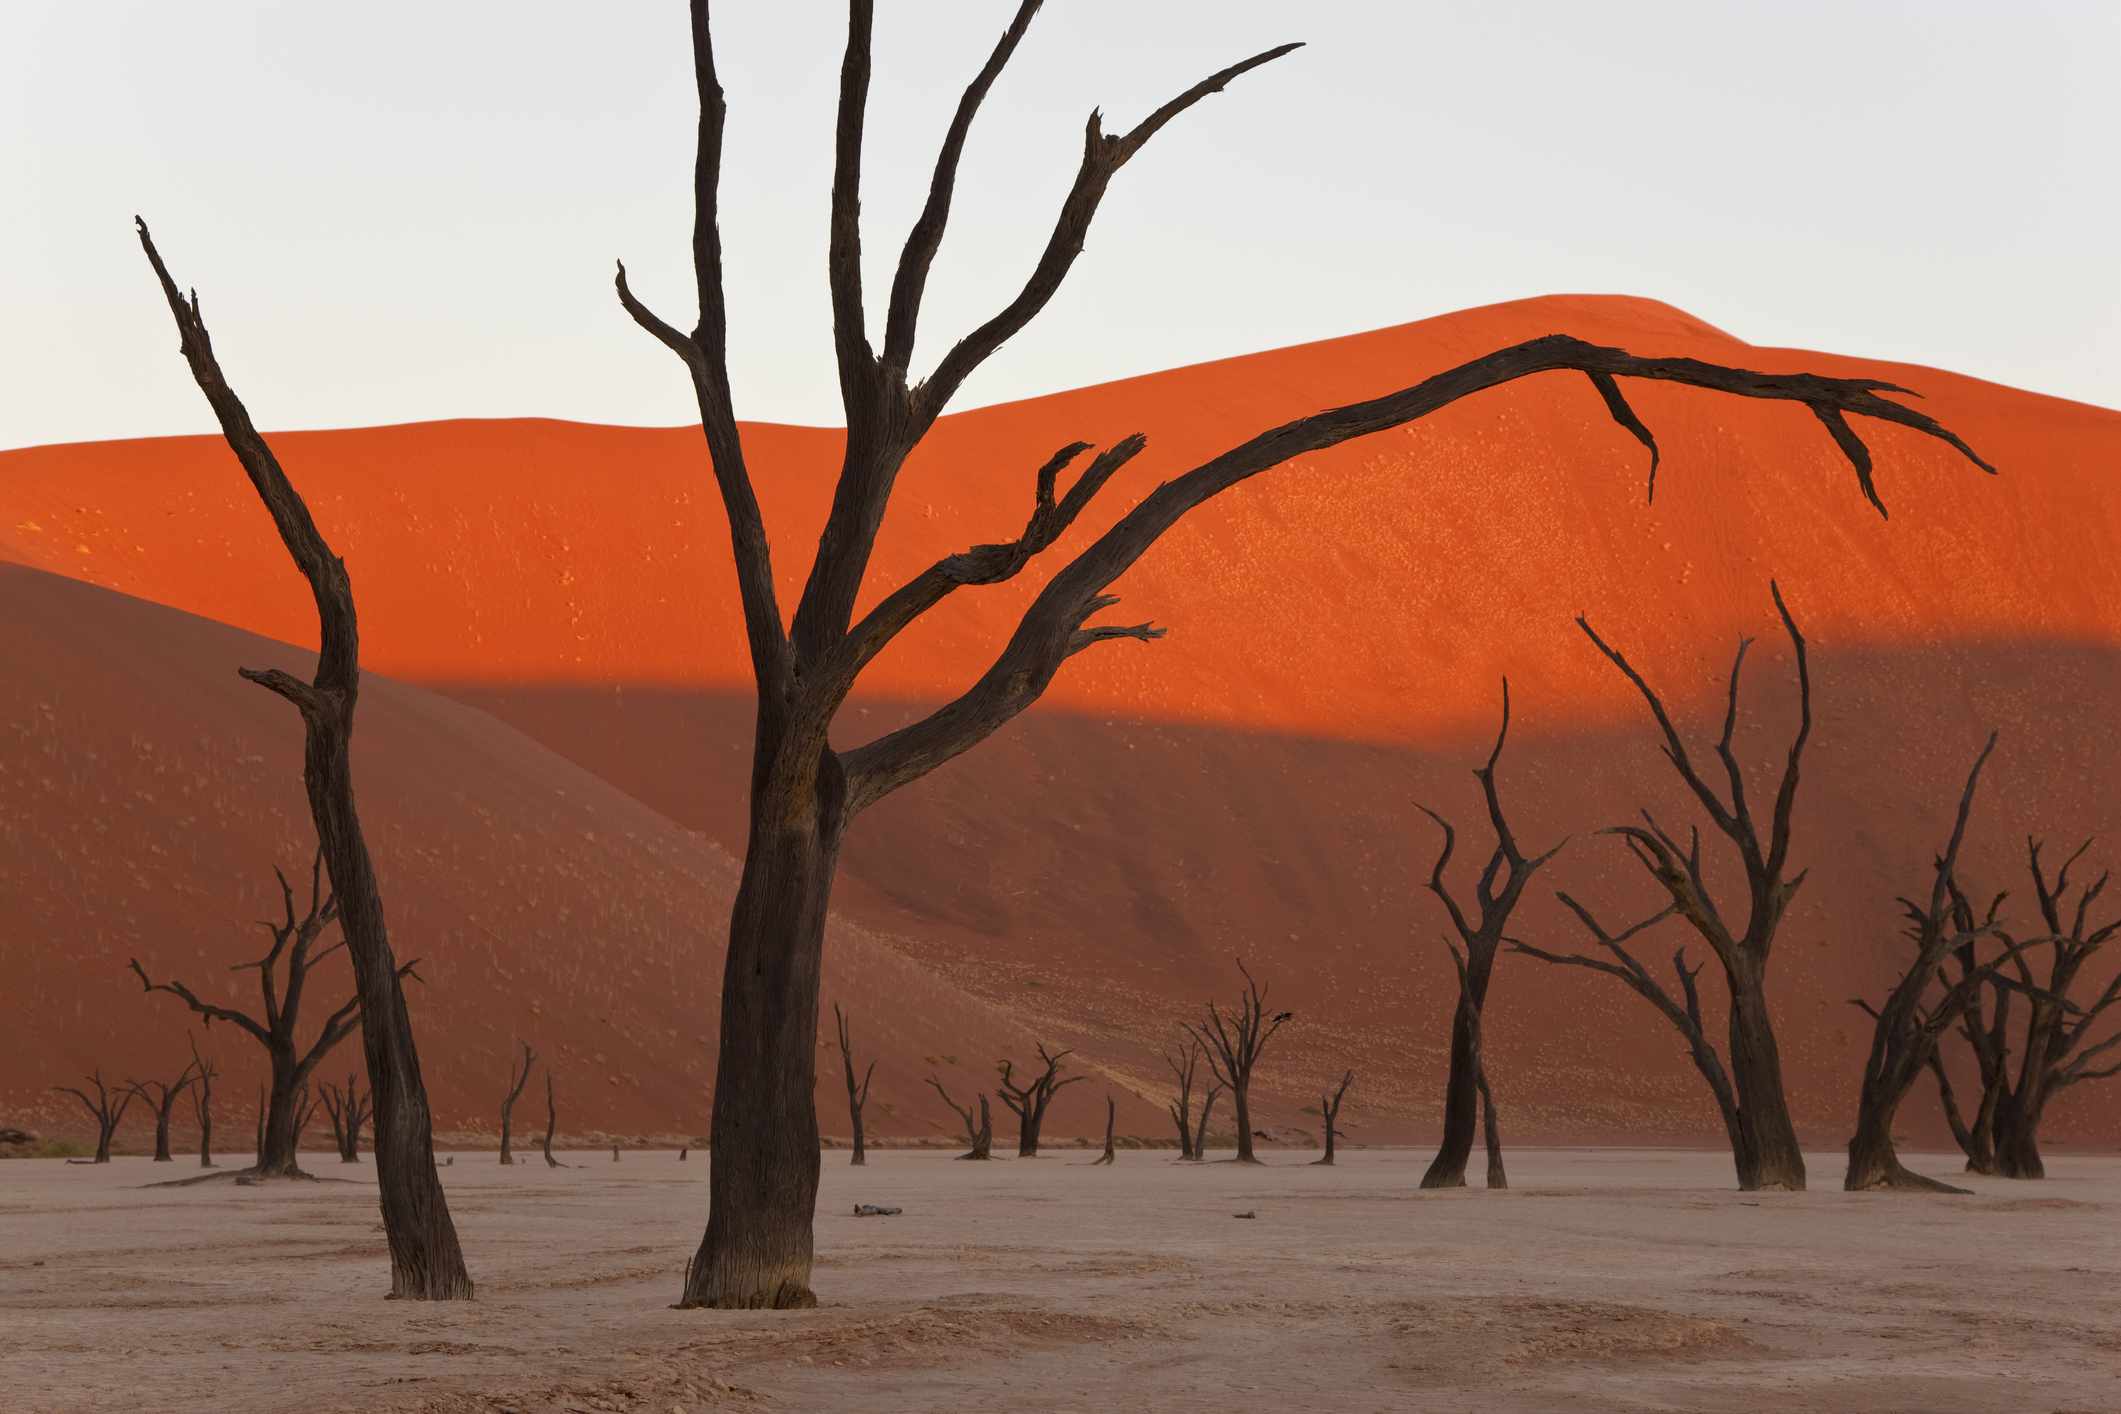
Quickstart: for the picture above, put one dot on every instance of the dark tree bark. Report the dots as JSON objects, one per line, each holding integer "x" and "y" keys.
{"x": 1476, "y": 1062}
{"x": 1207, "y": 1108}
{"x": 1110, "y": 1155}
{"x": 516, "y": 1082}
{"x": 2051, "y": 1047}
{"x": 202, "y": 1102}
{"x": 348, "y": 1110}
{"x": 857, "y": 1095}
{"x": 107, "y": 1109}
{"x": 1185, "y": 1064}
{"x": 552, "y": 1123}
{"x": 804, "y": 791}
{"x": 426, "y": 1262}
{"x": 305, "y": 1110}
{"x": 1029, "y": 1102}
{"x": 1764, "y": 1141}
{"x": 284, "y": 974}
{"x": 162, "y": 1097}
{"x": 1482, "y": 933}
{"x": 1232, "y": 1045}
{"x": 1329, "y": 1113}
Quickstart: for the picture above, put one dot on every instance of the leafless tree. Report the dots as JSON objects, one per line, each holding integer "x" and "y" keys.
{"x": 348, "y": 1110}
{"x": 1111, "y": 1113}
{"x": 1233, "y": 1044}
{"x": 107, "y": 1109}
{"x": 857, "y": 1095}
{"x": 552, "y": 1123}
{"x": 1028, "y": 1102}
{"x": 979, "y": 1136}
{"x": 202, "y": 1102}
{"x": 1184, "y": 1064}
{"x": 2003, "y": 1135}
{"x": 1329, "y": 1112}
{"x": 1496, "y": 894}
{"x": 426, "y": 1262}
{"x": 1763, "y": 1140}
{"x": 804, "y": 791}
{"x": 516, "y": 1082}
{"x": 1907, "y": 1026}
{"x": 284, "y": 975}
{"x": 162, "y": 1097}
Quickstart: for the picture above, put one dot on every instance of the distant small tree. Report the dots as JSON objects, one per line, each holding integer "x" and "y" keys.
{"x": 1480, "y": 926}
{"x": 1329, "y": 1112}
{"x": 516, "y": 1082}
{"x": 107, "y": 1109}
{"x": 857, "y": 1095}
{"x": 162, "y": 1097}
{"x": 202, "y": 1102}
{"x": 552, "y": 1123}
{"x": 1110, "y": 1155}
{"x": 347, "y": 1110}
{"x": 1233, "y": 1045}
{"x": 1184, "y": 1064}
{"x": 1029, "y": 1101}
{"x": 980, "y": 1135}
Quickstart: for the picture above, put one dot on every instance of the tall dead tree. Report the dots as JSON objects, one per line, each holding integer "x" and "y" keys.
{"x": 1329, "y": 1113}
{"x": 1233, "y": 1044}
{"x": 1028, "y": 1102}
{"x": 980, "y": 1136}
{"x": 1184, "y": 1064}
{"x": 1110, "y": 1155}
{"x": 516, "y": 1082}
{"x": 426, "y": 1262}
{"x": 857, "y": 1095}
{"x": 1496, "y": 893}
{"x": 107, "y": 1109}
{"x": 552, "y": 1123}
{"x": 284, "y": 976}
{"x": 2003, "y": 1135}
{"x": 347, "y": 1109}
{"x": 1908, "y": 1025}
{"x": 162, "y": 1097}
{"x": 202, "y": 1102}
{"x": 805, "y": 792}
{"x": 1763, "y": 1139}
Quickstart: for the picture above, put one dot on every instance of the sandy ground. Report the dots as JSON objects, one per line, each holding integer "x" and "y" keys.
{"x": 1605, "y": 1280}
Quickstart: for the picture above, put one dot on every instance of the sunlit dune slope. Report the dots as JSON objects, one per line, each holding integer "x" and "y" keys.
{"x": 1337, "y": 631}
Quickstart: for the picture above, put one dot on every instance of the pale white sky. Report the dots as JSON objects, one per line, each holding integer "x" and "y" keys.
{"x": 409, "y": 209}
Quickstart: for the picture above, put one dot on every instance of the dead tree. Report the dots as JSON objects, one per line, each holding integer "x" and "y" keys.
{"x": 107, "y": 1109}
{"x": 2003, "y": 1137}
{"x": 516, "y": 1082}
{"x": 348, "y": 1110}
{"x": 552, "y": 1123}
{"x": 1109, "y": 1156}
{"x": 1490, "y": 1126}
{"x": 1495, "y": 897}
{"x": 426, "y": 1262}
{"x": 979, "y": 1136}
{"x": 1207, "y": 1108}
{"x": 284, "y": 975}
{"x": 1329, "y": 1112}
{"x": 1905, "y": 1030}
{"x": 1233, "y": 1044}
{"x": 1184, "y": 1064}
{"x": 1764, "y": 1141}
{"x": 857, "y": 1095}
{"x": 805, "y": 791}
{"x": 1029, "y": 1102}
{"x": 202, "y": 1102}
{"x": 163, "y": 1100}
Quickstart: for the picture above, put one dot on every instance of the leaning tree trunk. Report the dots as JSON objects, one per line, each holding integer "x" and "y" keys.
{"x": 1767, "y": 1153}
{"x": 1110, "y": 1155}
{"x": 1461, "y": 1091}
{"x": 983, "y": 1141}
{"x": 1491, "y": 1132}
{"x": 764, "y": 1160}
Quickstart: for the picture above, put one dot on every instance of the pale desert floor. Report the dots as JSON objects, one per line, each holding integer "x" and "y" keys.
{"x": 1605, "y": 1280}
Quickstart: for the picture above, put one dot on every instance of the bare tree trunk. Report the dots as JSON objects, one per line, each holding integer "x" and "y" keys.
{"x": 857, "y": 1095}
{"x": 1767, "y": 1135}
{"x": 508, "y": 1102}
{"x": 764, "y": 1156}
{"x": 983, "y": 1142}
{"x": 1200, "y": 1135}
{"x": 1492, "y": 1132}
{"x": 202, "y": 1104}
{"x": 1461, "y": 1089}
{"x": 1329, "y": 1114}
{"x": 552, "y": 1122}
{"x": 1109, "y": 1156}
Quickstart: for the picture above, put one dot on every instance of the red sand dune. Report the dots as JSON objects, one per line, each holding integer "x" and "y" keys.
{"x": 1243, "y": 786}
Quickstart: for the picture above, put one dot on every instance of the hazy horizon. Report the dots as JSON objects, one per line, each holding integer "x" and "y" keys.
{"x": 416, "y": 217}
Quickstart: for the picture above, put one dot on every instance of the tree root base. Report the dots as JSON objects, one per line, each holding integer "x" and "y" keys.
{"x": 788, "y": 1296}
